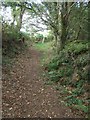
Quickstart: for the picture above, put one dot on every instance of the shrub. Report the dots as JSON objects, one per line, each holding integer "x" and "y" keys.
{"x": 77, "y": 47}
{"x": 70, "y": 68}
{"x": 82, "y": 60}
{"x": 54, "y": 76}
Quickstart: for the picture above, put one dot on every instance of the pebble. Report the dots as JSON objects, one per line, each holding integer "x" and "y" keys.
{"x": 10, "y": 108}
{"x": 28, "y": 115}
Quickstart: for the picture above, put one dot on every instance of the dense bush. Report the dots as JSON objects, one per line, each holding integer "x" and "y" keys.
{"x": 12, "y": 42}
{"x": 70, "y": 61}
{"x": 70, "y": 69}
{"x": 76, "y": 47}
{"x": 11, "y": 38}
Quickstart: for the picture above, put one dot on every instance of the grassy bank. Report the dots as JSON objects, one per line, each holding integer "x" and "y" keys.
{"x": 69, "y": 72}
{"x": 46, "y": 49}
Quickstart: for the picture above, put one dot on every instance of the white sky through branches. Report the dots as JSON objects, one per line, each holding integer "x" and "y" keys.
{"x": 27, "y": 21}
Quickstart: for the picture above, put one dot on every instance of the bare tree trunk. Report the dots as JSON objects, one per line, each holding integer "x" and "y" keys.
{"x": 22, "y": 10}
{"x": 64, "y": 23}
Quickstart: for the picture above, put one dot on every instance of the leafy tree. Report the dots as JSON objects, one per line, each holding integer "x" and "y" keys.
{"x": 18, "y": 10}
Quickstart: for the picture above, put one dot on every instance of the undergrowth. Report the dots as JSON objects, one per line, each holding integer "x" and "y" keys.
{"x": 11, "y": 44}
{"x": 46, "y": 50}
{"x": 70, "y": 69}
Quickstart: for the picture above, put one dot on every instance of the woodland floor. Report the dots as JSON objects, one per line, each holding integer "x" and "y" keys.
{"x": 25, "y": 93}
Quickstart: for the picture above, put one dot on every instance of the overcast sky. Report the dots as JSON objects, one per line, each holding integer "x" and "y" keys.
{"x": 27, "y": 20}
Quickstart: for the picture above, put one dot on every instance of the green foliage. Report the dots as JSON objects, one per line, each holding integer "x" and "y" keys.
{"x": 76, "y": 47}
{"x": 49, "y": 38}
{"x": 49, "y": 82}
{"x": 66, "y": 61}
{"x": 39, "y": 38}
{"x": 11, "y": 42}
{"x": 25, "y": 35}
{"x": 10, "y": 32}
{"x": 54, "y": 76}
{"x": 78, "y": 104}
{"x": 73, "y": 58}
{"x": 45, "y": 47}
{"x": 78, "y": 91}
{"x": 66, "y": 71}
{"x": 82, "y": 60}
{"x": 6, "y": 60}
{"x": 69, "y": 68}
{"x": 79, "y": 84}
{"x": 53, "y": 66}
{"x": 82, "y": 107}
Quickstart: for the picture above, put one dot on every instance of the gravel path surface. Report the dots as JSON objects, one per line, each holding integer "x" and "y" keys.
{"x": 25, "y": 94}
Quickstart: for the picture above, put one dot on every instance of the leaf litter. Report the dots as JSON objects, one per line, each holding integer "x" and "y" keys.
{"x": 26, "y": 95}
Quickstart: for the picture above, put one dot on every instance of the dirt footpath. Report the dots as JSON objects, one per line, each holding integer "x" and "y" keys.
{"x": 25, "y": 94}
